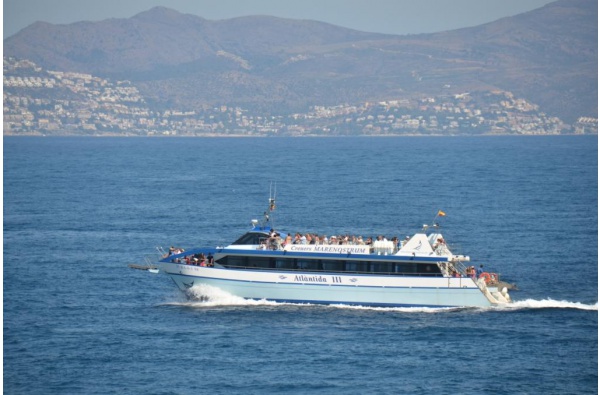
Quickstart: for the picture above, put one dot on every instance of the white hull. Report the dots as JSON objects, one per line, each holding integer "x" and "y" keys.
{"x": 333, "y": 288}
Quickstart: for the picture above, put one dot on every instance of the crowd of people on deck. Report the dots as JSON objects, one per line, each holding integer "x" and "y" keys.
{"x": 276, "y": 242}
{"x": 194, "y": 259}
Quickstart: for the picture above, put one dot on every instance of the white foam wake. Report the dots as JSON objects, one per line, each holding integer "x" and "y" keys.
{"x": 203, "y": 295}
{"x": 549, "y": 304}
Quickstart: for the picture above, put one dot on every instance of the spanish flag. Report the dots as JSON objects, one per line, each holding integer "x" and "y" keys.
{"x": 441, "y": 213}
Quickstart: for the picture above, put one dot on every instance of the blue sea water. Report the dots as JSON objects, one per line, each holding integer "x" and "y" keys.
{"x": 77, "y": 211}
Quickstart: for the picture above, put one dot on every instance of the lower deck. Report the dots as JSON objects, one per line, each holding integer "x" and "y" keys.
{"x": 330, "y": 265}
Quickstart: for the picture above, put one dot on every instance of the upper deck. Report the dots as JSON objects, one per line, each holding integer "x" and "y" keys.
{"x": 418, "y": 246}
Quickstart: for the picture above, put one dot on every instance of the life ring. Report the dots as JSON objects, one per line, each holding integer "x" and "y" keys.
{"x": 486, "y": 277}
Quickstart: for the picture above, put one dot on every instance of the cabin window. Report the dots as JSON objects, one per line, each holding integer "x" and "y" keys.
{"x": 381, "y": 267}
{"x": 363, "y": 266}
{"x": 351, "y": 266}
{"x": 429, "y": 270}
{"x": 309, "y": 264}
{"x": 251, "y": 239}
{"x": 261, "y": 262}
{"x": 285, "y": 263}
{"x": 240, "y": 261}
{"x": 334, "y": 266}
{"x": 405, "y": 268}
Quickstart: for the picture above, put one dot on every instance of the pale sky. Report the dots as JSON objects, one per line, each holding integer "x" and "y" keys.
{"x": 380, "y": 16}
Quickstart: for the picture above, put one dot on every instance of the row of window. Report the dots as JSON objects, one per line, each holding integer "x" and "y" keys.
{"x": 331, "y": 265}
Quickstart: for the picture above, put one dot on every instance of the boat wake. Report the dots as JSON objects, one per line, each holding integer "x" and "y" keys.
{"x": 208, "y": 296}
{"x": 547, "y": 304}
{"x": 203, "y": 296}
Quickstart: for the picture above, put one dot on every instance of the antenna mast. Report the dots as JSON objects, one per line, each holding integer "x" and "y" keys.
{"x": 272, "y": 195}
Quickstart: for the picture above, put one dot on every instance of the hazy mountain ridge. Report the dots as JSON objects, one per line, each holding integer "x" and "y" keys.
{"x": 548, "y": 56}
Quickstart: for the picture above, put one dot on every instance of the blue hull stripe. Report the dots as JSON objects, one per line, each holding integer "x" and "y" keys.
{"x": 370, "y": 304}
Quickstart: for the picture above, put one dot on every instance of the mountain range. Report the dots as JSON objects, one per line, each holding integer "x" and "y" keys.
{"x": 548, "y": 56}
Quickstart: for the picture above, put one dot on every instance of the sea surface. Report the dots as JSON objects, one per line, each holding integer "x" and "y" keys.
{"x": 78, "y": 320}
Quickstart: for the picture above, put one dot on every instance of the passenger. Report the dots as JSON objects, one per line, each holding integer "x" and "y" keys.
{"x": 303, "y": 240}
{"x": 360, "y": 241}
{"x": 202, "y": 259}
{"x": 297, "y": 239}
{"x": 288, "y": 240}
{"x": 277, "y": 242}
{"x": 479, "y": 271}
{"x": 210, "y": 260}
{"x": 272, "y": 242}
{"x": 396, "y": 244}
{"x": 333, "y": 240}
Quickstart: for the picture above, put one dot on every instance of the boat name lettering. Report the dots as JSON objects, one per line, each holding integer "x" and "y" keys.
{"x": 313, "y": 279}
{"x": 329, "y": 249}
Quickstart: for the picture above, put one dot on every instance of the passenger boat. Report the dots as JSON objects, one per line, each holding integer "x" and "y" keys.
{"x": 264, "y": 264}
